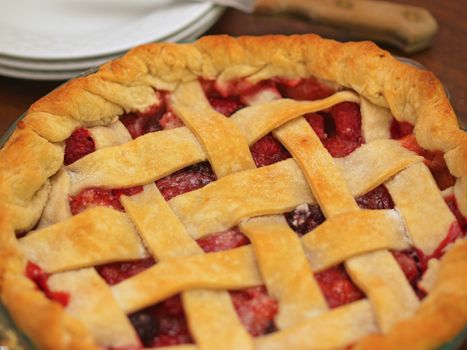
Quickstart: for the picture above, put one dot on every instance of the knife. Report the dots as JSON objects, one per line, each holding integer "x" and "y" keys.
{"x": 409, "y": 28}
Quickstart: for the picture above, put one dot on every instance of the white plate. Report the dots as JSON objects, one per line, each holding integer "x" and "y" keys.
{"x": 49, "y": 73}
{"x": 76, "y": 29}
{"x": 191, "y": 31}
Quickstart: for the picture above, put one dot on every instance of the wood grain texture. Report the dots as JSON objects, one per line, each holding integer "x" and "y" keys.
{"x": 447, "y": 57}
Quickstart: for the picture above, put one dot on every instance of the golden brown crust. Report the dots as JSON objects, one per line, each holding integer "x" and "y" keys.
{"x": 28, "y": 159}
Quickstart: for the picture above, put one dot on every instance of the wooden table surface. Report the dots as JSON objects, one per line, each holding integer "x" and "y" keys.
{"x": 447, "y": 57}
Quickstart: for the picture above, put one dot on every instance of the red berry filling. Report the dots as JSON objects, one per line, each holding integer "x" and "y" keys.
{"x": 433, "y": 160}
{"x": 155, "y": 118}
{"x": 379, "y": 198}
{"x": 413, "y": 268}
{"x": 92, "y": 197}
{"x": 39, "y": 277}
{"x": 400, "y": 129}
{"x": 224, "y": 240}
{"x": 163, "y": 324}
{"x": 452, "y": 204}
{"x": 226, "y": 105}
{"x": 305, "y": 218}
{"x": 305, "y": 89}
{"x": 317, "y": 122}
{"x": 79, "y": 144}
{"x": 346, "y": 136}
{"x": 337, "y": 287}
{"x": 256, "y": 309}
{"x": 116, "y": 272}
{"x": 268, "y": 150}
{"x": 186, "y": 180}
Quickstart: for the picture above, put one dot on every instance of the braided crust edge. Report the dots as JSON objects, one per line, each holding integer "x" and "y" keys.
{"x": 33, "y": 154}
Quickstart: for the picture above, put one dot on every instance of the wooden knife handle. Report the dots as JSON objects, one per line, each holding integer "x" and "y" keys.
{"x": 407, "y": 27}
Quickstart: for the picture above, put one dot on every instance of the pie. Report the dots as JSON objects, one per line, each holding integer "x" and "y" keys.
{"x": 252, "y": 193}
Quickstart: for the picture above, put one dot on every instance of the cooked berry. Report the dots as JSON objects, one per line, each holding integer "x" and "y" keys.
{"x": 116, "y": 272}
{"x": 305, "y": 218}
{"x": 186, "y": 180}
{"x": 163, "y": 324}
{"x": 224, "y": 240}
{"x": 226, "y": 106}
{"x": 316, "y": 121}
{"x": 400, "y": 129}
{"x": 256, "y": 309}
{"x": 268, "y": 150}
{"x": 40, "y": 278}
{"x": 337, "y": 287}
{"x": 140, "y": 123}
{"x": 347, "y": 120}
{"x": 305, "y": 89}
{"x": 79, "y": 144}
{"x": 92, "y": 197}
{"x": 379, "y": 198}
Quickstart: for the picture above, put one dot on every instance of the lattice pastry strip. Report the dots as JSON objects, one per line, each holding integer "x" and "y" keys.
{"x": 292, "y": 284}
{"x": 138, "y": 162}
{"x": 376, "y": 121}
{"x": 273, "y": 189}
{"x": 380, "y": 276}
{"x": 365, "y": 231}
{"x": 111, "y": 135}
{"x": 256, "y": 121}
{"x": 326, "y": 181}
{"x": 210, "y": 330}
{"x": 233, "y": 269}
{"x": 226, "y": 147}
{"x": 334, "y": 329}
{"x": 221, "y": 205}
{"x": 373, "y": 163}
{"x": 340, "y": 202}
{"x": 166, "y": 238}
{"x": 97, "y": 236}
{"x": 162, "y": 153}
{"x": 92, "y": 302}
{"x": 427, "y": 221}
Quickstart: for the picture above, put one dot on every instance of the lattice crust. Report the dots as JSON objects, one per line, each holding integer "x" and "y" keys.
{"x": 69, "y": 247}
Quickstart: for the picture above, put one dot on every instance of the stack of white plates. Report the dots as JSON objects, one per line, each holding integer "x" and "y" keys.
{"x": 59, "y": 39}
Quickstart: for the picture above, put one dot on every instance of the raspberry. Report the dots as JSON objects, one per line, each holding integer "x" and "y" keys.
{"x": 347, "y": 120}
{"x": 140, "y": 123}
{"x": 337, "y": 287}
{"x": 306, "y": 89}
{"x": 339, "y": 147}
{"x": 408, "y": 262}
{"x": 226, "y": 106}
{"x": 79, "y": 144}
{"x": 40, "y": 278}
{"x": 170, "y": 121}
{"x": 92, "y": 197}
{"x": 224, "y": 240}
{"x": 117, "y": 272}
{"x": 379, "y": 198}
{"x": 268, "y": 150}
{"x": 316, "y": 121}
{"x": 305, "y": 218}
{"x": 163, "y": 324}
{"x": 256, "y": 309}
{"x": 400, "y": 129}
{"x": 186, "y": 180}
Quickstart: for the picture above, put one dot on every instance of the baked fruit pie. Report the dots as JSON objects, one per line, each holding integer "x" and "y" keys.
{"x": 252, "y": 193}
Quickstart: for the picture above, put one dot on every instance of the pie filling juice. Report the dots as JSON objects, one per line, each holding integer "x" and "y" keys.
{"x": 338, "y": 128}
